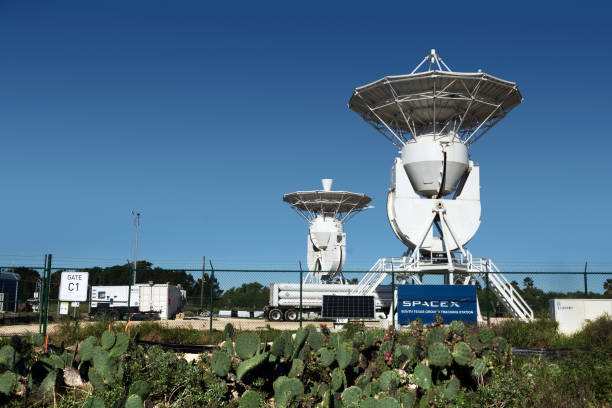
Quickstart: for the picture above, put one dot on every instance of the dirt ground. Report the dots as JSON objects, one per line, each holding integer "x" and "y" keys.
{"x": 198, "y": 323}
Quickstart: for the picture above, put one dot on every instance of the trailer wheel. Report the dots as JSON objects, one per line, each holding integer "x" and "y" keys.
{"x": 291, "y": 315}
{"x": 275, "y": 315}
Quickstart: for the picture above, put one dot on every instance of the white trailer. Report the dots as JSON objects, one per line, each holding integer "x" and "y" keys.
{"x": 161, "y": 300}
{"x": 285, "y": 298}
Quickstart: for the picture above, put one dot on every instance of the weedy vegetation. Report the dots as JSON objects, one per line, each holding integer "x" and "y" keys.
{"x": 438, "y": 365}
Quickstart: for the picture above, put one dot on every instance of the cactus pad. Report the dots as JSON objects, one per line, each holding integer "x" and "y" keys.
{"x": 250, "y": 399}
{"x": 297, "y": 367}
{"x": 486, "y": 336}
{"x": 451, "y": 389}
{"x": 248, "y": 366}
{"x": 338, "y": 379}
{"x": 287, "y": 390}
{"x": 228, "y": 332}
{"x": 94, "y": 402}
{"x": 315, "y": 339}
{"x": 388, "y": 381}
{"x": 121, "y": 345}
{"x": 422, "y": 376}
{"x": 346, "y": 355}
{"x": 462, "y": 353}
{"x": 134, "y": 401}
{"x": 87, "y": 348}
{"x": 351, "y": 397}
{"x": 220, "y": 363}
{"x": 247, "y": 344}
{"x": 108, "y": 340}
{"x": 387, "y": 402}
{"x": 141, "y": 388}
{"x": 457, "y": 326}
{"x": 439, "y": 355}
{"x": 326, "y": 357}
{"x": 8, "y": 380}
{"x": 95, "y": 378}
{"x": 435, "y": 335}
{"x": 478, "y": 366}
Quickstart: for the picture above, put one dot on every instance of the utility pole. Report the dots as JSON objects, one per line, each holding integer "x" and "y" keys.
{"x": 202, "y": 285}
{"x": 137, "y": 222}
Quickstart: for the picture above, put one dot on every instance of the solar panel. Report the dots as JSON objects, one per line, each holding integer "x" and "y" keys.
{"x": 345, "y": 307}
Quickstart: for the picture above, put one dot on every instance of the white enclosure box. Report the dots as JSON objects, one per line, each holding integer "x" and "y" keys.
{"x": 116, "y": 296}
{"x": 164, "y": 299}
{"x": 572, "y": 314}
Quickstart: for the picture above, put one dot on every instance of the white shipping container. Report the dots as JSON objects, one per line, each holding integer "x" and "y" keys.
{"x": 164, "y": 299}
{"x": 572, "y": 314}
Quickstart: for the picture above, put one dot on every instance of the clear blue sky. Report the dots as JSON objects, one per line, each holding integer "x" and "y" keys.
{"x": 201, "y": 115}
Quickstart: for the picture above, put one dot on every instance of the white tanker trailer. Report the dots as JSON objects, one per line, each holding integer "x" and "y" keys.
{"x": 285, "y": 299}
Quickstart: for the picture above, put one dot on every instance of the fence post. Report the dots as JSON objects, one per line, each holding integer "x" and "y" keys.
{"x": 392, "y": 297}
{"x": 41, "y": 299}
{"x": 202, "y": 285}
{"x": 47, "y": 286}
{"x": 487, "y": 298}
{"x": 586, "y": 290}
{"x": 212, "y": 277}
{"x": 301, "y": 293}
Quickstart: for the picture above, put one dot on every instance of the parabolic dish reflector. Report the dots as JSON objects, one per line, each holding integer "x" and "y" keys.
{"x": 407, "y": 105}
{"x": 330, "y": 202}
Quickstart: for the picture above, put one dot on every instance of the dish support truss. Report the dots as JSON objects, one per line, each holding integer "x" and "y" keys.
{"x": 466, "y": 270}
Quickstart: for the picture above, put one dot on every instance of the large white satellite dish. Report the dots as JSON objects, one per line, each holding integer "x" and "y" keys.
{"x": 326, "y": 212}
{"x": 433, "y": 204}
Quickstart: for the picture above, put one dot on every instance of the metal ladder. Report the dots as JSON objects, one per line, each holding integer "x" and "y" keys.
{"x": 372, "y": 279}
{"x": 507, "y": 294}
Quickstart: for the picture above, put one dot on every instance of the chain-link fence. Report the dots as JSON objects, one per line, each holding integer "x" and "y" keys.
{"x": 252, "y": 299}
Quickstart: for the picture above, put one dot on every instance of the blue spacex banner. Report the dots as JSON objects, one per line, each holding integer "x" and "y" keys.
{"x": 451, "y": 302}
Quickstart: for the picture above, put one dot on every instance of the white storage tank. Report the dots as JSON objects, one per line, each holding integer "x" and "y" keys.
{"x": 572, "y": 314}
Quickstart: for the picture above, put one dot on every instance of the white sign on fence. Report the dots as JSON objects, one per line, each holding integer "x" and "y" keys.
{"x": 73, "y": 286}
{"x": 63, "y": 308}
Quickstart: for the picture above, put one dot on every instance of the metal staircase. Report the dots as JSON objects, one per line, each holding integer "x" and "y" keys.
{"x": 507, "y": 294}
{"x": 466, "y": 269}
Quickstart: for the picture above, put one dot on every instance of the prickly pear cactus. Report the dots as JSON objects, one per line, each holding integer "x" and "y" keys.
{"x": 457, "y": 326}
{"x": 87, "y": 348}
{"x": 388, "y": 381}
{"x": 326, "y": 357}
{"x": 121, "y": 345}
{"x": 422, "y": 376}
{"x": 478, "y": 366}
{"x": 247, "y": 345}
{"x": 435, "y": 335}
{"x": 108, "y": 340}
{"x": 451, "y": 389}
{"x": 387, "y": 402}
{"x": 297, "y": 367}
{"x": 439, "y": 355}
{"x": 351, "y": 397}
{"x": 486, "y": 336}
{"x": 462, "y": 353}
{"x": 248, "y": 366}
{"x": 346, "y": 355}
{"x": 287, "y": 390}
{"x": 228, "y": 332}
{"x": 134, "y": 401}
{"x": 315, "y": 339}
{"x": 249, "y": 399}
{"x": 338, "y": 379}
{"x": 220, "y": 363}
{"x": 140, "y": 388}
